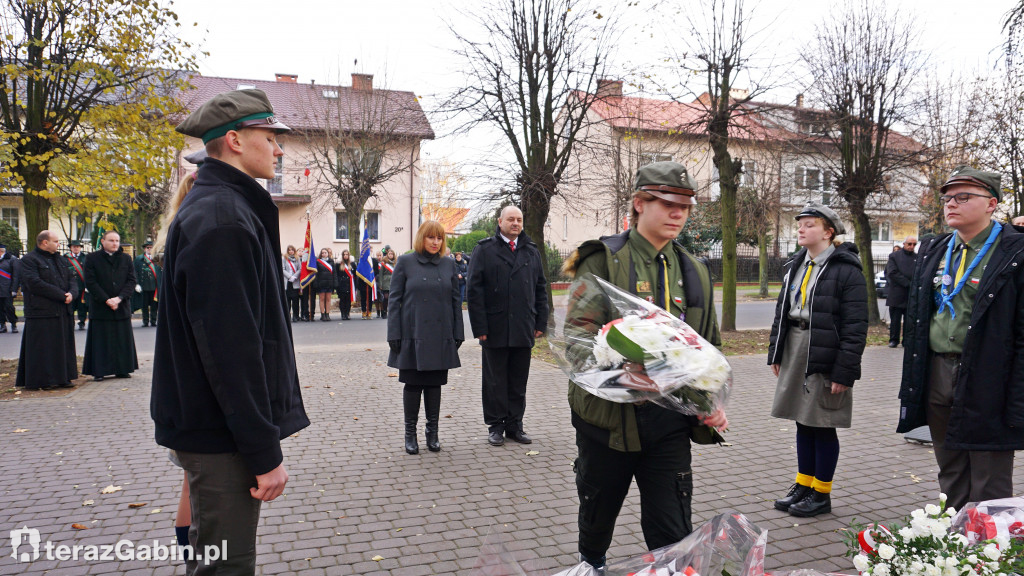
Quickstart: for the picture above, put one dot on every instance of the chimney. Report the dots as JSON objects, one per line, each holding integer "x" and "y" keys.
{"x": 362, "y": 82}
{"x": 292, "y": 78}
{"x": 609, "y": 88}
{"x": 800, "y": 100}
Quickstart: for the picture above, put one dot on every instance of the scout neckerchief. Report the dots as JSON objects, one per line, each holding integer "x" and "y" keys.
{"x": 152, "y": 270}
{"x": 803, "y": 284}
{"x": 330, "y": 269}
{"x": 945, "y": 295}
{"x": 351, "y": 280}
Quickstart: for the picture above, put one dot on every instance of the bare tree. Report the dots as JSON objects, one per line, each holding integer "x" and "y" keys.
{"x": 759, "y": 200}
{"x": 863, "y": 62}
{"x": 362, "y": 138}
{"x": 722, "y": 55}
{"x": 532, "y": 73}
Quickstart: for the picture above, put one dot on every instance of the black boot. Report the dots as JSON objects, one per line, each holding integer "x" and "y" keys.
{"x": 411, "y": 446}
{"x": 411, "y": 407}
{"x": 813, "y": 503}
{"x": 328, "y": 316}
{"x": 796, "y": 493}
{"x": 3, "y": 328}
{"x": 433, "y": 409}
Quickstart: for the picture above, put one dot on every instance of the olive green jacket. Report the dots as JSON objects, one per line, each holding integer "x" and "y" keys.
{"x": 609, "y": 258}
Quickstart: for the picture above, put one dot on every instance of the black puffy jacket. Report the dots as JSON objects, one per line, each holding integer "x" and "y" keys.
{"x": 839, "y": 316}
{"x": 988, "y": 400}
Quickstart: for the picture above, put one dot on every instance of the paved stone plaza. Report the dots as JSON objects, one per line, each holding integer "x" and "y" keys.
{"x": 355, "y": 495}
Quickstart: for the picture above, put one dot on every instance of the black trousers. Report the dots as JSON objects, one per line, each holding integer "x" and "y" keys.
{"x": 148, "y": 307}
{"x": 307, "y": 302}
{"x": 222, "y": 509}
{"x": 83, "y": 311}
{"x": 292, "y": 294}
{"x": 663, "y": 475}
{"x": 505, "y": 371}
{"x": 896, "y": 323}
{"x": 365, "y": 296}
{"x": 7, "y": 313}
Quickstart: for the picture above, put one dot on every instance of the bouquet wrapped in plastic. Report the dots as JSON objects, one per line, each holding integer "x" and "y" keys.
{"x": 622, "y": 348}
{"x": 728, "y": 544}
{"x": 990, "y": 520}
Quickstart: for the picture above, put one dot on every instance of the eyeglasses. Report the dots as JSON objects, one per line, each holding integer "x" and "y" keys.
{"x": 910, "y": 243}
{"x": 961, "y": 197}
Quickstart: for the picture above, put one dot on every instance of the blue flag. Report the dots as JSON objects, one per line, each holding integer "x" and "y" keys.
{"x": 365, "y": 267}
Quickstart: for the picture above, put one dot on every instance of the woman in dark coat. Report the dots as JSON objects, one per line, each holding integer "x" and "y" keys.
{"x": 110, "y": 279}
{"x": 345, "y": 283}
{"x": 817, "y": 340}
{"x": 424, "y": 328}
{"x": 324, "y": 283}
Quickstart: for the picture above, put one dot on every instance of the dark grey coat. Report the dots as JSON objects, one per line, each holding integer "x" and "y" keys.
{"x": 425, "y": 313}
{"x": 899, "y": 271}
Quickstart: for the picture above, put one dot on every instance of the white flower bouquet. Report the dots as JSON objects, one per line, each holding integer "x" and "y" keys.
{"x": 928, "y": 546}
{"x": 622, "y": 348}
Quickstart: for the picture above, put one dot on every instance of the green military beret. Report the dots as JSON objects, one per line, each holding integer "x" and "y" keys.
{"x": 972, "y": 176}
{"x": 821, "y": 211}
{"x": 231, "y": 111}
{"x": 667, "y": 180}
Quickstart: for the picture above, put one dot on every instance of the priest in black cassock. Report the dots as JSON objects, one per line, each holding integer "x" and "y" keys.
{"x": 47, "y": 357}
{"x": 110, "y": 279}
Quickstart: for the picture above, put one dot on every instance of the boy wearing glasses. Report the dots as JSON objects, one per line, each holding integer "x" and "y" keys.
{"x": 898, "y": 272}
{"x": 963, "y": 367}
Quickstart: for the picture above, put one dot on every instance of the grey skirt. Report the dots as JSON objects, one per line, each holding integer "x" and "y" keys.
{"x": 808, "y": 399}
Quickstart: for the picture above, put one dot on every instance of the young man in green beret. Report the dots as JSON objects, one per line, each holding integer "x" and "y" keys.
{"x": 963, "y": 367}
{"x": 225, "y": 388}
{"x": 76, "y": 263}
{"x": 620, "y": 442}
{"x": 147, "y": 278}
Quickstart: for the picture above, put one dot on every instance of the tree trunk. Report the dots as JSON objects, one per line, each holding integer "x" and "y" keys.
{"x": 727, "y": 202}
{"x": 354, "y": 213}
{"x": 762, "y": 264}
{"x": 534, "y": 217}
{"x": 37, "y": 207}
{"x": 862, "y": 229}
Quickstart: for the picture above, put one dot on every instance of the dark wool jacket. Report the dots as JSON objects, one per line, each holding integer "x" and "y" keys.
{"x": 224, "y": 377}
{"x": 988, "y": 402}
{"x": 898, "y": 272}
{"x": 324, "y": 280}
{"x": 507, "y": 293}
{"x": 107, "y": 276}
{"x": 45, "y": 280}
{"x": 11, "y": 266}
{"x": 839, "y": 316}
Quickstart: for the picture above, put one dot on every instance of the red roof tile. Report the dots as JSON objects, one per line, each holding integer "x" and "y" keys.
{"x": 300, "y": 105}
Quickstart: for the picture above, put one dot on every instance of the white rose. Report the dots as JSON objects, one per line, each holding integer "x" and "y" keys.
{"x": 881, "y": 570}
{"x": 932, "y": 570}
{"x": 861, "y": 563}
{"x": 916, "y": 567}
{"x": 886, "y": 552}
{"x": 991, "y": 552}
{"x": 938, "y": 530}
{"x": 972, "y": 559}
{"x": 907, "y": 533}
{"x": 932, "y": 509}
{"x": 916, "y": 514}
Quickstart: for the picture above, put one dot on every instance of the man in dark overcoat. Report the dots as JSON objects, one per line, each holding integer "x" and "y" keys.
{"x": 147, "y": 280}
{"x": 225, "y": 385}
{"x": 508, "y": 309}
{"x": 898, "y": 272}
{"x": 963, "y": 364}
{"x": 110, "y": 279}
{"x": 47, "y": 358}
{"x": 9, "y": 266}
{"x": 76, "y": 264}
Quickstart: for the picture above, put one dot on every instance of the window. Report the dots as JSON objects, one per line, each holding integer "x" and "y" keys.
{"x": 81, "y": 227}
{"x": 748, "y": 173}
{"x": 246, "y": 87}
{"x": 356, "y": 160}
{"x": 10, "y": 215}
{"x": 372, "y": 220}
{"x": 812, "y": 127}
{"x": 649, "y": 158}
{"x": 814, "y": 178}
{"x": 276, "y": 186}
{"x": 565, "y": 226}
{"x": 333, "y": 94}
{"x": 881, "y": 232}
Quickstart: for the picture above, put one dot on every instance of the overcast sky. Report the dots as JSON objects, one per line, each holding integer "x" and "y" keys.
{"x": 406, "y": 44}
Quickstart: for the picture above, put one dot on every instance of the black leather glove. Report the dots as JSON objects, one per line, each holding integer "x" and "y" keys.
{"x": 458, "y": 344}
{"x": 396, "y": 345}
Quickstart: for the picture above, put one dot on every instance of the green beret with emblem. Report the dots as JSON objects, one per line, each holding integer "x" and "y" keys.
{"x": 233, "y": 110}
{"x": 972, "y": 176}
{"x": 667, "y": 180}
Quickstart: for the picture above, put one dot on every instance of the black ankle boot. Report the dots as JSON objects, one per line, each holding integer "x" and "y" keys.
{"x": 813, "y": 503}
{"x": 411, "y": 446}
{"x": 796, "y": 493}
{"x": 328, "y": 316}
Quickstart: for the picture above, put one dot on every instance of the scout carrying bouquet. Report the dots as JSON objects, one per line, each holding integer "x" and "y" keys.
{"x": 622, "y": 348}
